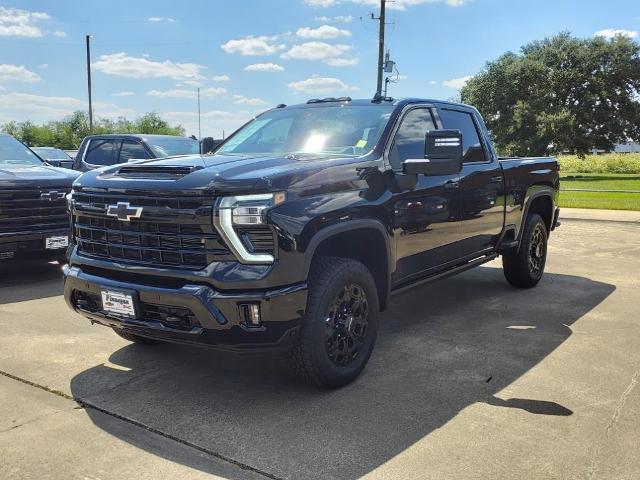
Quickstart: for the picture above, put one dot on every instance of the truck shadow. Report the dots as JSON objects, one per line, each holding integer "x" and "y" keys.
{"x": 441, "y": 349}
{"x": 29, "y": 280}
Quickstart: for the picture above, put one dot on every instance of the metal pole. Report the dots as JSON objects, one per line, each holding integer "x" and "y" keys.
{"x": 199, "y": 130}
{"x": 88, "y": 37}
{"x": 380, "y": 49}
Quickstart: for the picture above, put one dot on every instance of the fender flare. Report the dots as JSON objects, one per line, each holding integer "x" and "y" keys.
{"x": 545, "y": 192}
{"x": 348, "y": 226}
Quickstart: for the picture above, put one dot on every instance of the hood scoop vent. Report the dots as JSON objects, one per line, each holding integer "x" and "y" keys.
{"x": 167, "y": 172}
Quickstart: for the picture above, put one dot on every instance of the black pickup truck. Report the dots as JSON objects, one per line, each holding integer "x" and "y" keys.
{"x": 34, "y": 222}
{"x": 295, "y": 232}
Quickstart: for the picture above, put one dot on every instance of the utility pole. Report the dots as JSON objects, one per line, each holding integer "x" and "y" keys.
{"x": 88, "y": 37}
{"x": 380, "y": 49}
{"x": 199, "y": 130}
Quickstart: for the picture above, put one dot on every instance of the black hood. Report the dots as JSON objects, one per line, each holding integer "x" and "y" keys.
{"x": 35, "y": 176}
{"x": 218, "y": 173}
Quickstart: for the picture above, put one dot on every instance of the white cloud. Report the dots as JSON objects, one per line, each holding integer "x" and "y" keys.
{"x": 15, "y": 22}
{"x": 37, "y": 108}
{"x": 41, "y": 108}
{"x": 404, "y": 4}
{"x": 258, "y": 46}
{"x": 320, "y": 3}
{"x": 614, "y": 32}
{"x": 138, "y": 67}
{"x": 318, "y": 84}
{"x": 432, "y": 82}
{"x": 161, "y": 19}
{"x": 123, "y": 94}
{"x": 191, "y": 83}
{"x": 342, "y": 62}
{"x": 331, "y": 54}
{"x": 43, "y": 65}
{"x": 59, "y": 33}
{"x": 457, "y": 83}
{"x": 322, "y": 32}
{"x": 337, "y": 19}
{"x": 17, "y": 73}
{"x": 242, "y": 100}
{"x": 264, "y": 67}
{"x": 220, "y": 78}
{"x": 181, "y": 93}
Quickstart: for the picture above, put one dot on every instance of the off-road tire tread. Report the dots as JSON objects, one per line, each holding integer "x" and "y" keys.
{"x": 515, "y": 264}
{"x": 321, "y": 274}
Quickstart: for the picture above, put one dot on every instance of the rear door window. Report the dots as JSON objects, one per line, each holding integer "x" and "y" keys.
{"x": 463, "y": 121}
{"x": 102, "y": 152}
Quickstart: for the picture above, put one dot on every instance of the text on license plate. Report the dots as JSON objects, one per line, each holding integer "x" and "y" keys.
{"x": 118, "y": 302}
{"x": 54, "y": 243}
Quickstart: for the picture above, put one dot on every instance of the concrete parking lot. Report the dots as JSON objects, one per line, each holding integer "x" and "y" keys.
{"x": 470, "y": 379}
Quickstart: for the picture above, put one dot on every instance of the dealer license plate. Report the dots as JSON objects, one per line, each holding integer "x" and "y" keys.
{"x": 118, "y": 303}
{"x": 55, "y": 243}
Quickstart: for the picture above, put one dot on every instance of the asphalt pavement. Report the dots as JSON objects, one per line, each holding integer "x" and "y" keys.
{"x": 470, "y": 378}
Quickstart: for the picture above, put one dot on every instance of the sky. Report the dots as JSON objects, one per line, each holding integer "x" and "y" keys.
{"x": 248, "y": 56}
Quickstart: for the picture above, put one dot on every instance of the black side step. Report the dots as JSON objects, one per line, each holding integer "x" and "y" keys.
{"x": 447, "y": 273}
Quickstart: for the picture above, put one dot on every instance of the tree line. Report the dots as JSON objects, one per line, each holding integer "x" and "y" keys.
{"x": 69, "y": 132}
{"x": 561, "y": 95}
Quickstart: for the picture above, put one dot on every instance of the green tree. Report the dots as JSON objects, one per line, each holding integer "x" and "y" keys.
{"x": 69, "y": 132}
{"x": 561, "y": 94}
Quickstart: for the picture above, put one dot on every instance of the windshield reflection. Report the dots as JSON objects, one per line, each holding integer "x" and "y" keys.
{"x": 328, "y": 130}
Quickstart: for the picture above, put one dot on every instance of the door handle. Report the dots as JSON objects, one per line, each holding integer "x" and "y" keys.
{"x": 496, "y": 179}
{"x": 451, "y": 184}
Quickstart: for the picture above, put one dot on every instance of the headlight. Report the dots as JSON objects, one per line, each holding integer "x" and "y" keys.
{"x": 244, "y": 210}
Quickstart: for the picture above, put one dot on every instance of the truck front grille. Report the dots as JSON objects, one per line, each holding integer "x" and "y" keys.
{"x": 33, "y": 210}
{"x": 171, "y": 231}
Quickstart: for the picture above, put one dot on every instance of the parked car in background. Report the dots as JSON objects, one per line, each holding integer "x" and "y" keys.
{"x": 34, "y": 222}
{"x": 54, "y": 156}
{"x": 72, "y": 153}
{"x": 295, "y": 232}
{"x": 101, "y": 150}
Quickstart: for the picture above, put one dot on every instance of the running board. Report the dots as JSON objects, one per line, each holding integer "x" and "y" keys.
{"x": 447, "y": 273}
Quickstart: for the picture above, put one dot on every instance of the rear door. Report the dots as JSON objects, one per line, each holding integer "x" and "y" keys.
{"x": 425, "y": 217}
{"x": 481, "y": 184}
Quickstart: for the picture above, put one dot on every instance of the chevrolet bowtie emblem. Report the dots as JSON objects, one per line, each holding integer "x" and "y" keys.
{"x": 52, "y": 196}
{"x": 123, "y": 211}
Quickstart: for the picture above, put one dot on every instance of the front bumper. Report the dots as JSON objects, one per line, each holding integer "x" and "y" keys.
{"x": 215, "y": 318}
{"x": 22, "y": 245}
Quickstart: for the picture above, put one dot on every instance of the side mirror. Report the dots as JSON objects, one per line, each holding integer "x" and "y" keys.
{"x": 442, "y": 155}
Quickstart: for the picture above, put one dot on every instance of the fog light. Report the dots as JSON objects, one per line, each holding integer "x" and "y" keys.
{"x": 251, "y": 314}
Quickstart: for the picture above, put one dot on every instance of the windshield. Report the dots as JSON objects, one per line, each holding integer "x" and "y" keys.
{"x": 328, "y": 130}
{"x": 51, "y": 153}
{"x": 166, "y": 147}
{"x": 12, "y": 152}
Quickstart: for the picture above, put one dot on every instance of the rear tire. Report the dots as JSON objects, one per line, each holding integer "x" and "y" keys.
{"x": 136, "y": 338}
{"x": 523, "y": 267}
{"x": 341, "y": 323}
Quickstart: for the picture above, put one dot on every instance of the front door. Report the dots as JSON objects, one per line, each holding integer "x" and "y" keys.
{"x": 426, "y": 225}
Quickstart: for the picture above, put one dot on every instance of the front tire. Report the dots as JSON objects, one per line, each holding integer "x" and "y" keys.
{"x": 341, "y": 323}
{"x": 523, "y": 268}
